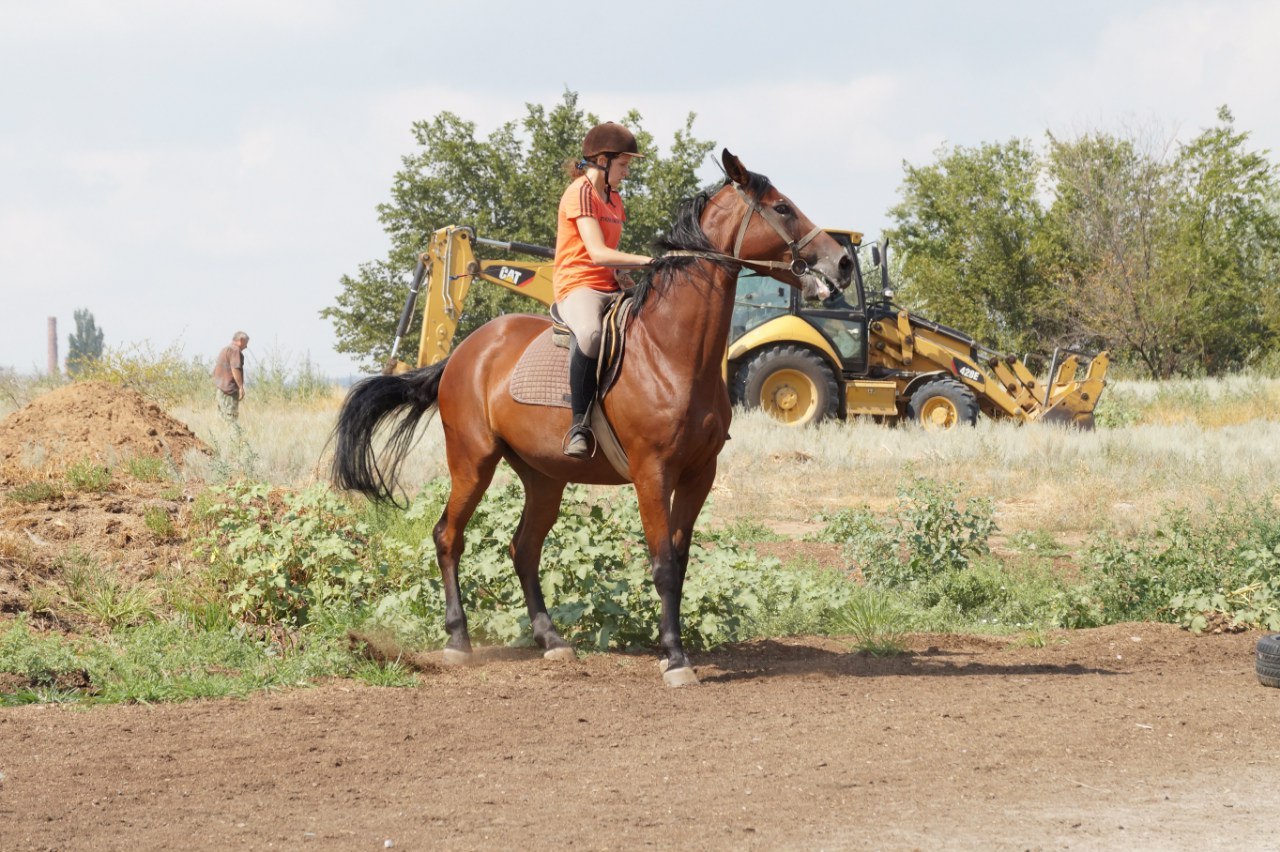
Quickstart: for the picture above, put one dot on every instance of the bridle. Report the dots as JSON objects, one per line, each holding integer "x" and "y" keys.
{"x": 798, "y": 266}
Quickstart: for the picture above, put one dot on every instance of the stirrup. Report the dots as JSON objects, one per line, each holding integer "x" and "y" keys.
{"x": 579, "y": 442}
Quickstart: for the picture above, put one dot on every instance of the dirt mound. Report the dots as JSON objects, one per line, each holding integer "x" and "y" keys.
{"x": 91, "y": 420}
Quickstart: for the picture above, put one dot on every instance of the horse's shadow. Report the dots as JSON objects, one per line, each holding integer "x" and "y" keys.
{"x": 771, "y": 658}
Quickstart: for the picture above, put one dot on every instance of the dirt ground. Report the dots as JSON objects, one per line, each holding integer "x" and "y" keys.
{"x": 1133, "y": 736}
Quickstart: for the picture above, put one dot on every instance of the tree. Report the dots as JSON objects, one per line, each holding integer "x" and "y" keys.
{"x": 1111, "y": 214}
{"x": 1169, "y": 258}
{"x": 507, "y": 187}
{"x": 84, "y": 345}
{"x": 1228, "y": 236}
{"x": 972, "y": 247}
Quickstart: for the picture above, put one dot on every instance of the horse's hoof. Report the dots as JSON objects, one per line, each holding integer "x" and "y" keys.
{"x": 663, "y": 664}
{"x": 454, "y": 657}
{"x": 563, "y": 654}
{"x": 682, "y": 676}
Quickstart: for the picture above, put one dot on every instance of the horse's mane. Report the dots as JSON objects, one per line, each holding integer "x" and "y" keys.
{"x": 686, "y": 234}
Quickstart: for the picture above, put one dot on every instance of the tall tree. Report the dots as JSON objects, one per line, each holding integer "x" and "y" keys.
{"x": 507, "y": 187}
{"x": 84, "y": 345}
{"x": 1228, "y": 238}
{"x": 1170, "y": 253}
{"x": 1111, "y": 211}
{"x": 970, "y": 239}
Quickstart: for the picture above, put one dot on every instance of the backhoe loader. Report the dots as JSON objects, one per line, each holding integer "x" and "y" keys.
{"x": 800, "y": 362}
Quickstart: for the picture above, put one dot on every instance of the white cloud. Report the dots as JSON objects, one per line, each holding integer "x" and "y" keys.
{"x": 1176, "y": 63}
{"x": 61, "y": 19}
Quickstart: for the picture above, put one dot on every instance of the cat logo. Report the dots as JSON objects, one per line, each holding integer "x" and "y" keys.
{"x": 969, "y": 373}
{"x": 514, "y": 275}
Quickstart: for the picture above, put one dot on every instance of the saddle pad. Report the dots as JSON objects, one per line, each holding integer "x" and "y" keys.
{"x": 541, "y": 376}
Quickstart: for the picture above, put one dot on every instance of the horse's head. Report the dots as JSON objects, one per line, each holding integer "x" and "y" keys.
{"x": 750, "y": 219}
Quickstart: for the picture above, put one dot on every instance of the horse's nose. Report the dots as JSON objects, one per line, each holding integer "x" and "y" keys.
{"x": 845, "y": 270}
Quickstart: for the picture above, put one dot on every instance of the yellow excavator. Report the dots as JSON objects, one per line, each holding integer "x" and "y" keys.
{"x": 799, "y": 362}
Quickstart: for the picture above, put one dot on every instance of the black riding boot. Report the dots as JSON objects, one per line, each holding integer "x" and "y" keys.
{"x": 579, "y": 442}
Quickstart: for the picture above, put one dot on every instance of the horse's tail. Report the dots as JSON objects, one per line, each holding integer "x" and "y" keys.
{"x": 370, "y": 402}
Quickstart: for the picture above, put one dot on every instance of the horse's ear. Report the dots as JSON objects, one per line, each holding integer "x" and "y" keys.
{"x": 733, "y": 168}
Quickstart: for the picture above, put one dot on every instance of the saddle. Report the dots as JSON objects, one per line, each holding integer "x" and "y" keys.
{"x": 541, "y": 376}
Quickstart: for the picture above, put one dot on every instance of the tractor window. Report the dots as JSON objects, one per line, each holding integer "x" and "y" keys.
{"x": 759, "y": 299}
{"x": 845, "y": 335}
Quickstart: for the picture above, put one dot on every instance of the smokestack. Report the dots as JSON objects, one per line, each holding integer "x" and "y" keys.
{"x": 53, "y": 347}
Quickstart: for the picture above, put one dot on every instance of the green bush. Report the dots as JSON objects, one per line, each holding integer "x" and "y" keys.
{"x": 875, "y": 621}
{"x": 1223, "y": 562}
{"x": 989, "y": 595}
{"x": 287, "y": 559}
{"x": 166, "y": 376}
{"x": 280, "y": 554}
{"x": 157, "y": 520}
{"x": 42, "y": 660}
{"x": 929, "y": 534}
{"x": 595, "y": 576}
{"x": 866, "y": 541}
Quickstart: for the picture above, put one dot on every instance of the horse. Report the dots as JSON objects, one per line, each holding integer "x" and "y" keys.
{"x": 669, "y": 406}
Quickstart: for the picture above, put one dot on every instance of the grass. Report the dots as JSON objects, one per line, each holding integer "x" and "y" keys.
{"x": 36, "y": 492}
{"x": 149, "y": 469}
{"x": 160, "y": 523}
{"x": 875, "y": 621}
{"x": 87, "y": 475}
{"x": 102, "y": 597}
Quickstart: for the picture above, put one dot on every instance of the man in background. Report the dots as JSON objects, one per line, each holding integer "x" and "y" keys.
{"x": 228, "y": 377}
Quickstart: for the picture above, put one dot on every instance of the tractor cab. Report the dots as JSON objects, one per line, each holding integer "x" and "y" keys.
{"x": 838, "y": 325}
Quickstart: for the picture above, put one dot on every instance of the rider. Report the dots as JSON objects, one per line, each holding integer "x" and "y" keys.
{"x": 588, "y": 230}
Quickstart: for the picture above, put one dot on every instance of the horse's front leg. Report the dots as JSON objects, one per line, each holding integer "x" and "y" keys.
{"x": 654, "y": 496}
{"x": 686, "y": 504}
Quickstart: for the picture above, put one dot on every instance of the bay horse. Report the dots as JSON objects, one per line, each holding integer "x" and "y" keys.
{"x": 669, "y": 406}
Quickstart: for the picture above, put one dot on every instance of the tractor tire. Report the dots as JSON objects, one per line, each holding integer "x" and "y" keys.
{"x": 1268, "y": 663}
{"x": 943, "y": 404}
{"x": 791, "y": 384}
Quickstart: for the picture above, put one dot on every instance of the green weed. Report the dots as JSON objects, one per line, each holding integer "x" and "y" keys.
{"x": 745, "y": 531}
{"x": 874, "y": 621}
{"x": 36, "y": 492}
{"x": 149, "y": 469}
{"x": 102, "y": 597}
{"x": 86, "y": 475}
{"x": 160, "y": 524}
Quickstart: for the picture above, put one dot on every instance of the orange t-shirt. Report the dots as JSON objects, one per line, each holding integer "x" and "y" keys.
{"x": 574, "y": 268}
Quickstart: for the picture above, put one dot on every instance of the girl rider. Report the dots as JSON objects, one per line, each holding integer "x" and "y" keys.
{"x": 588, "y": 230}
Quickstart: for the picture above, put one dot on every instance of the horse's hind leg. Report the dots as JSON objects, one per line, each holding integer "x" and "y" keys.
{"x": 471, "y": 470}
{"x": 541, "y": 508}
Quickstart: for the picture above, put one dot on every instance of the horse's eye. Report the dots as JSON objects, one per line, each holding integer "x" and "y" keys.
{"x": 782, "y": 208}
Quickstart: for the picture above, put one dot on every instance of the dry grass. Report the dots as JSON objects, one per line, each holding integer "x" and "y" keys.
{"x": 1041, "y": 478}
{"x": 288, "y": 444}
{"x": 1190, "y": 443}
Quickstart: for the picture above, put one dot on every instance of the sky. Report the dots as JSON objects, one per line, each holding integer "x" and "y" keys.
{"x": 188, "y": 169}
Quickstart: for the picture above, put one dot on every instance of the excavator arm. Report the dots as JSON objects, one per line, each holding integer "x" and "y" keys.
{"x": 443, "y": 277}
